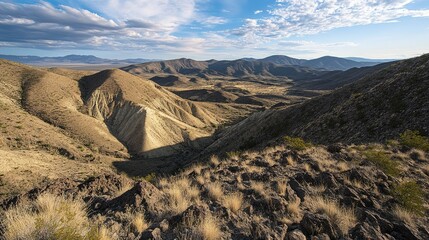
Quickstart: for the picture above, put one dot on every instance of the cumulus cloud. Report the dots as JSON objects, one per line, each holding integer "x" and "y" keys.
{"x": 258, "y": 11}
{"x": 301, "y": 17}
{"x": 166, "y": 14}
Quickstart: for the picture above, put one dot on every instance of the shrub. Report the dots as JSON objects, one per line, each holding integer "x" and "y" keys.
{"x": 234, "y": 155}
{"x": 297, "y": 143}
{"x": 413, "y": 139}
{"x": 50, "y": 217}
{"x": 383, "y": 161}
{"x": 411, "y": 196}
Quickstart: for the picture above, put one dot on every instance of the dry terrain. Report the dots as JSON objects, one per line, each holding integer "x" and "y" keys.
{"x": 275, "y": 148}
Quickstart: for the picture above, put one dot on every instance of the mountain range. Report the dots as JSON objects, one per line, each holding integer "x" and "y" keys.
{"x": 71, "y": 59}
{"x": 324, "y": 63}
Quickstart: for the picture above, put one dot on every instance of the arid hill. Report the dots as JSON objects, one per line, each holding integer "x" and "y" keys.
{"x": 50, "y": 116}
{"x": 375, "y": 108}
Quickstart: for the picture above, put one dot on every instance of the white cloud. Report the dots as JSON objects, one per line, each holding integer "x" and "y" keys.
{"x": 301, "y": 17}
{"x": 258, "y": 11}
{"x": 211, "y": 20}
{"x": 166, "y": 14}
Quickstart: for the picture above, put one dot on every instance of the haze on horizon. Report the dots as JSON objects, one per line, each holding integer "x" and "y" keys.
{"x": 221, "y": 29}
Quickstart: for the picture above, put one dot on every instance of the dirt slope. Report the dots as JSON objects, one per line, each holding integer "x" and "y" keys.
{"x": 149, "y": 120}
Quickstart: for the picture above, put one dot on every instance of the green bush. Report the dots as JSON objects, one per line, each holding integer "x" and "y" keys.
{"x": 411, "y": 196}
{"x": 383, "y": 161}
{"x": 297, "y": 143}
{"x": 233, "y": 154}
{"x": 413, "y": 139}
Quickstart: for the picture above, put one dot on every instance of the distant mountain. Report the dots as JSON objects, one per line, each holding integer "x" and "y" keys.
{"x": 357, "y": 59}
{"x": 335, "y": 63}
{"x": 283, "y": 60}
{"x": 236, "y": 68}
{"x": 70, "y": 59}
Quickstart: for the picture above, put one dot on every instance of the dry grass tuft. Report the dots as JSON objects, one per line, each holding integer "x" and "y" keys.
{"x": 49, "y": 217}
{"x": 294, "y": 210}
{"x": 181, "y": 194}
{"x": 404, "y": 215}
{"x": 139, "y": 223}
{"x": 209, "y": 228}
{"x": 290, "y": 161}
{"x": 342, "y": 166}
{"x": 214, "y": 161}
{"x": 258, "y": 187}
{"x": 215, "y": 191}
{"x": 281, "y": 187}
{"x": 233, "y": 201}
{"x": 200, "y": 180}
{"x": 343, "y": 218}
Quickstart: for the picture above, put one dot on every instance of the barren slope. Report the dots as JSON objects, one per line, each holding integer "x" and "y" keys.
{"x": 149, "y": 120}
{"x": 377, "y": 107}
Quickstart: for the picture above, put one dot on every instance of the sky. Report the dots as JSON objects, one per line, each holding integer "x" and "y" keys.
{"x": 215, "y": 29}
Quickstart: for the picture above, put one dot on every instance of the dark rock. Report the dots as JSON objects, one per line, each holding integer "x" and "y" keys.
{"x": 314, "y": 224}
{"x": 322, "y": 236}
{"x": 143, "y": 194}
{"x": 295, "y": 235}
{"x": 334, "y": 148}
{"x": 327, "y": 179}
{"x": 297, "y": 188}
{"x": 366, "y": 232}
{"x": 154, "y": 234}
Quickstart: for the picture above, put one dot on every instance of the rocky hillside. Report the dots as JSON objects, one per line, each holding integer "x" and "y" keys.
{"x": 286, "y": 191}
{"x": 378, "y": 107}
{"x": 49, "y": 117}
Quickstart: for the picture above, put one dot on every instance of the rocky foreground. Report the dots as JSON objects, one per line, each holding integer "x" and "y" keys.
{"x": 291, "y": 190}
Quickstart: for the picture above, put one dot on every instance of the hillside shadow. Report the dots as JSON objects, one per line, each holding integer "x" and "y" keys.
{"x": 142, "y": 165}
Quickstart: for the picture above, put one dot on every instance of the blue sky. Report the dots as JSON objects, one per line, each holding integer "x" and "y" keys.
{"x": 220, "y": 29}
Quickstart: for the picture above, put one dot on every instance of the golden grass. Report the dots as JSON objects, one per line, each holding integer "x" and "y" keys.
{"x": 233, "y": 201}
{"x": 214, "y": 161}
{"x": 215, "y": 191}
{"x": 50, "y": 217}
{"x": 281, "y": 187}
{"x": 139, "y": 223}
{"x": 342, "y": 166}
{"x": 181, "y": 194}
{"x": 343, "y": 218}
{"x": 294, "y": 210}
{"x": 290, "y": 161}
{"x": 209, "y": 228}
{"x": 404, "y": 215}
{"x": 200, "y": 180}
{"x": 258, "y": 187}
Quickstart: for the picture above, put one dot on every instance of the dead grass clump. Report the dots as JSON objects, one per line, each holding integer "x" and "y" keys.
{"x": 214, "y": 161}
{"x": 200, "y": 180}
{"x": 139, "y": 223}
{"x": 290, "y": 161}
{"x": 50, "y": 217}
{"x": 404, "y": 215}
{"x": 233, "y": 201}
{"x": 294, "y": 210}
{"x": 258, "y": 187}
{"x": 181, "y": 194}
{"x": 209, "y": 229}
{"x": 205, "y": 227}
{"x": 281, "y": 187}
{"x": 343, "y": 218}
{"x": 215, "y": 191}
